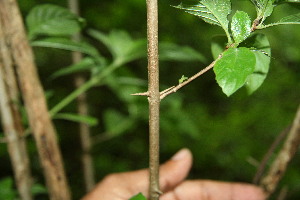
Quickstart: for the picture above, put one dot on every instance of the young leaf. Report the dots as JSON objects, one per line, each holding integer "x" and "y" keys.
{"x": 240, "y": 26}
{"x": 292, "y": 19}
{"x": 85, "y": 64}
{"x": 264, "y": 9}
{"x": 66, "y": 44}
{"x": 91, "y": 121}
{"x": 174, "y": 52}
{"x": 139, "y": 196}
{"x": 233, "y": 69}
{"x": 182, "y": 79}
{"x": 261, "y": 46}
{"x": 268, "y": 8}
{"x": 51, "y": 20}
{"x": 211, "y": 11}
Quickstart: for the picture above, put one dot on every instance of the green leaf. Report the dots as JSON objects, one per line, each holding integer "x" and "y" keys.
{"x": 211, "y": 11}
{"x": 262, "y": 51}
{"x": 182, "y": 79}
{"x": 139, "y": 196}
{"x": 122, "y": 47}
{"x": 264, "y": 9}
{"x": 218, "y": 45}
{"x": 85, "y": 64}
{"x": 51, "y": 20}
{"x": 174, "y": 52}
{"x": 268, "y": 8}
{"x": 66, "y": 44}
{"x": 240, "y": 26}
{"x": 233, "y": 69}
{"x": 292, "y": 19}
{"x": 91, "y": 121}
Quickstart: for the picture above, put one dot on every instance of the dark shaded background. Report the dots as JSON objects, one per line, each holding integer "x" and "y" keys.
{"x": 224, "y": 134}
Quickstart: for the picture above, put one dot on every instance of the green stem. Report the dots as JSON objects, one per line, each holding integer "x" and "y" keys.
{"x": 229, "y": 37}
{"x": 86, "y": 86}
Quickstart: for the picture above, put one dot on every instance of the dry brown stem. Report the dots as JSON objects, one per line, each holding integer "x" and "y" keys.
{"x": 262, "y": 166}
{"x": 11, "y": 121}
{"x": 82, "y": 106}
{"x": 34, "y": 99}
{"x": 278, "y": 167}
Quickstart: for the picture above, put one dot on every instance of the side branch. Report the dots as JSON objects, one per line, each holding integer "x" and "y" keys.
{"x": 174, "y": 89}
{"x": 278, "y": 168}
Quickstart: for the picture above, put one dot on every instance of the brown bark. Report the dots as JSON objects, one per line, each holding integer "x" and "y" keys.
{"x": 154, "y": 98}
{"x": 82, "y": 106}
{"x": 35, "y": 102}
{"x": 285, "y": 155}
{"x": 11, "y": 121}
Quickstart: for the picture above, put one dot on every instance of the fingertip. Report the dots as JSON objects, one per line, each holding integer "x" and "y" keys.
{"x": 184, "y": 153}
{"x": 176, "y": 169}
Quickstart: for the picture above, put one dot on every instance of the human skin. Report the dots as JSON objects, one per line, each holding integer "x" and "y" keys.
{"x": 122, "y": 186}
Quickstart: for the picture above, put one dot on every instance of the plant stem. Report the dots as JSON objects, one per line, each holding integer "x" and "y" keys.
{"x": 174, "y": 89}
{"x": 11, "y": 121}
{"x": 278, "y": 167}
{"x": 82, "y": 106}
{"x": 262, "y": 166}
{"x": 154, "y": 98}
{"x": 35, "y": 101}
{"x": 83, "y": 88}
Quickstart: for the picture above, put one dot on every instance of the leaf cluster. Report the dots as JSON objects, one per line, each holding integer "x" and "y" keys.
{"x": 245, "y": 57}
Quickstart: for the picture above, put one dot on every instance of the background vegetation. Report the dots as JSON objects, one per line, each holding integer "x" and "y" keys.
{"x": 226, "y": 135}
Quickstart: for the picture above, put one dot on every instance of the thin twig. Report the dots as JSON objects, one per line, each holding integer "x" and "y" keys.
{"x": 266, "y": 158}
{"x": 141, "y": 94}
{"x": 174, "y": 89}
{"x": 278, "y": 167}
{"x": 82, "y": 107}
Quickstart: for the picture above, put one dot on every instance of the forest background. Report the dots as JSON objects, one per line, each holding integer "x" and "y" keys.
{"x": 228, "y": 136}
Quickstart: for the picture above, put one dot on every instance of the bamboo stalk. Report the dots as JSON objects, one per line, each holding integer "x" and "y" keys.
{"x": 35, "y": 102}
{"x": 11, "y": 121}
{"x": 82, "y": 106}
{"x": 154, "y": 98}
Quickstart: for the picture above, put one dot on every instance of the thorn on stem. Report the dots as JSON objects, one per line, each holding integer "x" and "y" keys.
{"x": 141, "y": 94}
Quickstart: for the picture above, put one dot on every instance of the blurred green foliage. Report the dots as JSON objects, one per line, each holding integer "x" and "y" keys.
{"x": 224, "y": 134}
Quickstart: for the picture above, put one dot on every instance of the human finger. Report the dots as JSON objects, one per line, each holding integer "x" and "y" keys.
{"x": 121, "y": 186}
{"x": 213, "y": 190}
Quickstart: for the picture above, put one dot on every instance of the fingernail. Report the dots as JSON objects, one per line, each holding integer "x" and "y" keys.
{"x": 180, "y": 154}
